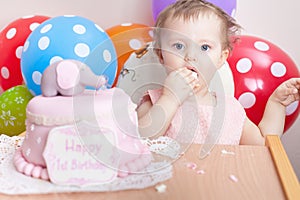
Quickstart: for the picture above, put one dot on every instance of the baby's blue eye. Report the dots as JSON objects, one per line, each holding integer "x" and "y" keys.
{"x": 205, "y": 47}
{"x": 179, "y": 46}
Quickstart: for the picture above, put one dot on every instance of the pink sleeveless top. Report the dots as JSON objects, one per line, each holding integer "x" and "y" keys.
{"x": 192, "y": 125}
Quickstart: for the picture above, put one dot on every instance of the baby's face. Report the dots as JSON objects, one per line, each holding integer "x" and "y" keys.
{"x": 195, "y": 44}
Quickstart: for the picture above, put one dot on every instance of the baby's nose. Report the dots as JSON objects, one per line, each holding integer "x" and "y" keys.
{"x": 190, "y": 58}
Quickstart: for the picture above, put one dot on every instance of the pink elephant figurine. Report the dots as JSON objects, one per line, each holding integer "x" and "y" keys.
{"x": 68, "y": 78}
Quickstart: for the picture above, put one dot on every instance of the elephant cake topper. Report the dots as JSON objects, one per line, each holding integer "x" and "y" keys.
{"x": 68, "y": 78}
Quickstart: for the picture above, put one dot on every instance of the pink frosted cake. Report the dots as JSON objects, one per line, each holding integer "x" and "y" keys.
{"x": 109, "y": 108}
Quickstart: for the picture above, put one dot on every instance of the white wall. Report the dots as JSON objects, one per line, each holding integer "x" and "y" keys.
{"x": 105, "y": 13}
{"x": 274, "y": 20}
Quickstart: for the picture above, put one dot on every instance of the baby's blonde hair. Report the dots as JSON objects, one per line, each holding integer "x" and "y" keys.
{"x": 191, "y": 9}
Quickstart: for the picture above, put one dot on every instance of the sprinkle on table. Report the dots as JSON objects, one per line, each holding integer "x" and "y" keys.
{"x": 200, "y": 171}
{"x": 224, "y": 151}
{"x": 161, "y": 188}
{"x": 233, "y": 178}
{"x": 191, "y": 165}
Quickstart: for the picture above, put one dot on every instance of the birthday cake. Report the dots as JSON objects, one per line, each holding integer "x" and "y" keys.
{"x": 90, "y": 131}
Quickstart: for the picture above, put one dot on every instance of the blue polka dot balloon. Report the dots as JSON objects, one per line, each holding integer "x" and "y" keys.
{"x": 67, "y": 37}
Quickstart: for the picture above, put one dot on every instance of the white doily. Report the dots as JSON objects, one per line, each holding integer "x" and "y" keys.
{"x": 165, "y": 146}
{"x": 13, "y": 182}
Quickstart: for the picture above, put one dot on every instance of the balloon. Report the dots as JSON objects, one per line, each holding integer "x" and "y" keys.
{"x": 258, "y": 67}
{"x": 141, "y": 73}
{"x": 128, "y": 38}
{"x": 67, "y": 37}
{"x": 13, "y": 104}
{"x": 229, "y": 6}
{"x": 159, "y": 5}
{"x": 12, "y": 39}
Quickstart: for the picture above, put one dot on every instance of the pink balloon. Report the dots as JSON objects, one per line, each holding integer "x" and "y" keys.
{"x": 229, "y": 6}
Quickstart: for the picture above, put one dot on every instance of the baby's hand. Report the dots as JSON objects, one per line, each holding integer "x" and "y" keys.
{"x": 180, "y": 84}
{"x": 287, "y": 92}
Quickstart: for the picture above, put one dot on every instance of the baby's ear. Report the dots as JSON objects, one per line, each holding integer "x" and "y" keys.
{"x": 223, "y": 58}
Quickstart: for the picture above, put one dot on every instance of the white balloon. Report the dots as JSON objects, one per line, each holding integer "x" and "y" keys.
{"x": 140, "y": 74}
{"x": 225, "y": 74}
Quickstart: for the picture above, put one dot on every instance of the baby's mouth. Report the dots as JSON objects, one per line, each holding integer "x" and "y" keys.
{"x": 194, "y": 71}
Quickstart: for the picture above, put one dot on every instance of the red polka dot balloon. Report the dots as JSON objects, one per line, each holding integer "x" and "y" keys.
{"x": 12, "y": 39}
{"x": 258, "y": 67}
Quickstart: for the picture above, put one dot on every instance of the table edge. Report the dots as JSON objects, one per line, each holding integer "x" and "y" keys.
{"x": 286, "y": 173}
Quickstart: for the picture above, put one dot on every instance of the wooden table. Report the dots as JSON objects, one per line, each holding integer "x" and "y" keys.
{"x": 229, "y": 172}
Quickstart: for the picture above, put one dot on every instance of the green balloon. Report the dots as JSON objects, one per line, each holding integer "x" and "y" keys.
{"x": 13, "y": 104}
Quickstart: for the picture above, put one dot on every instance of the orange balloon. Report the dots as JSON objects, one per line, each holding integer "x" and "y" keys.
{"x": 128, "y": 38}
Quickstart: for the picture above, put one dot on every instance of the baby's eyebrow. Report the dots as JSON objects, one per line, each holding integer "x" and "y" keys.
{"x": 208, "y": 42}
{"x": 205, "y": 41}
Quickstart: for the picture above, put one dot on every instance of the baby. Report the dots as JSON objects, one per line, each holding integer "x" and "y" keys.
{"x": 193, "y": 39}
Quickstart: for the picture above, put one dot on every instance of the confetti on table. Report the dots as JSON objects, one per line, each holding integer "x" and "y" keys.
{"x": 161, "y": 188}
{"x": 191, "y": 165}
{"x": 224, "y": 151}
{"x": 200, "y": 171}
{"x": 233, "y": 178}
